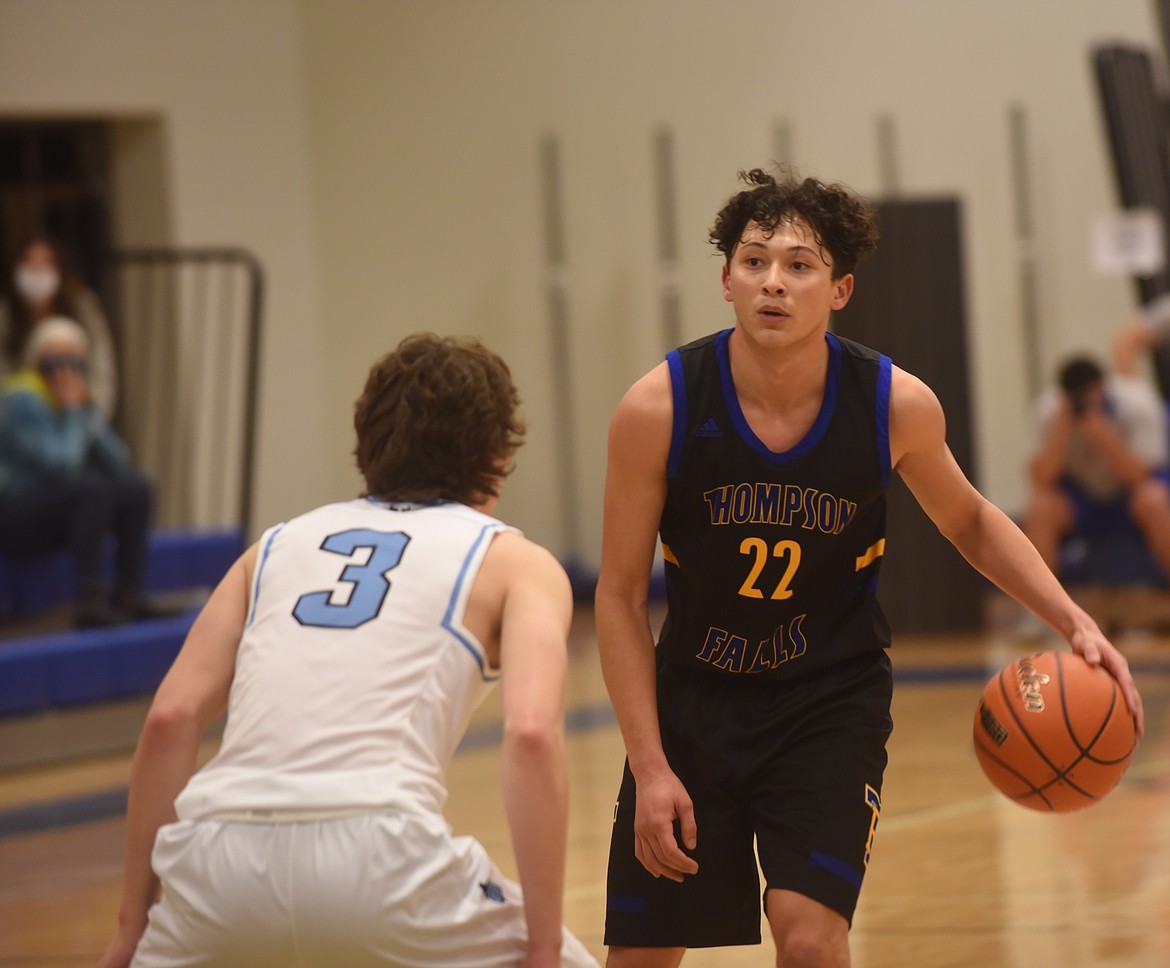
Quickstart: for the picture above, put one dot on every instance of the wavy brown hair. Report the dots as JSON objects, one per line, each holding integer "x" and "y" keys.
{"x": 437, "y": 421}
{"x": 843, "y": 223}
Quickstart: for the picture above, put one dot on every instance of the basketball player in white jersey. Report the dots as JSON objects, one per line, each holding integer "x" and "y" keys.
{"x": 349, "y": 647}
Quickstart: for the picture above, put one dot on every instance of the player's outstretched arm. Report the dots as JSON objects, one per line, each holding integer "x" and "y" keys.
{"x": 534, "y": 625}
{"x": 983, "y": 534}
{"x": 191, "y": 696}
{"x": 635, "y": 492}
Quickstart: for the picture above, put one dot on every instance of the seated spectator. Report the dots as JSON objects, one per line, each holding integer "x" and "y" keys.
{"x": 1101, "y": 461}
{"x": 41, "y": 284}
{"x": 66, "y": 481}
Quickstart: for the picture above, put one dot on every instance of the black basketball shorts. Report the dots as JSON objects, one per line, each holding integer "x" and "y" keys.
{"x": 794, "y": 767}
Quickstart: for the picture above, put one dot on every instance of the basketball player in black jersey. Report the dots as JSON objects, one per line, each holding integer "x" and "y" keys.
{"x": 760, "y": 456}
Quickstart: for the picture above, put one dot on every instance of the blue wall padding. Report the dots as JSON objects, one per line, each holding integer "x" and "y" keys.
{"x": 183, "y": 559}
{"x": 24, "y": 677}
{"x": 94, "y": 665}
{"x": 1116, "y": 558}
{"x": 178, "y": 560}
{"x": 39, "y": 584}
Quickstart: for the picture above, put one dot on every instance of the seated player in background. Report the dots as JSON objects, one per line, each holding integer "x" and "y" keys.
{"x": 66, "y": 479}
{"x": 349, "y": 647}
{"x": 1100, "y": 462}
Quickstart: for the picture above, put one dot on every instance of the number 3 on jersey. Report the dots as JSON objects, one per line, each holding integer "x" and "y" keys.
{"x": 368, "y": 579}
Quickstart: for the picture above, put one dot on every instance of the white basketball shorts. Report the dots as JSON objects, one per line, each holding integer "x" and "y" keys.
{"x": 370, "y": 889}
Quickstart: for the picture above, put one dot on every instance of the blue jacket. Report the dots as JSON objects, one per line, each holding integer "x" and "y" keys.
{"x": 40, "y": 443}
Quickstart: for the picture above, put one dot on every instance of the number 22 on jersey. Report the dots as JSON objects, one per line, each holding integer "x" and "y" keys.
{"x": 757, "y": 548}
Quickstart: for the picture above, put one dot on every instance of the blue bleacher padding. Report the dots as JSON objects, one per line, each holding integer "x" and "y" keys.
{"x": 178, "y": 560}
{"x": 1116, "y": 558}
{"x": 38, "y": 584}
{"x": 141, "y": 656}
{"x": 61, "y": 669}
{"x": 24, "y": 677}
{"x": 5, "y": 589}
{"x": 186, "y": 559}
{"x": 94, "y": 665}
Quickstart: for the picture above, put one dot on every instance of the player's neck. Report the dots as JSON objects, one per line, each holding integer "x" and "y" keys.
{"x": 487, "y": 505}
{"x": 776, "y": 379}
{"x": 780, "y": 390}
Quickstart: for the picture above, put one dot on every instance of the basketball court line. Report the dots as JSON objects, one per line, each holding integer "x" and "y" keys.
{"x": 64, "y": 812}
{"x": 108, "y": 804}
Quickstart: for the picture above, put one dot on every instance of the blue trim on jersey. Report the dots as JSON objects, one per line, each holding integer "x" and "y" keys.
{"x": 626, "y": 904}
{"x": 885, "y": 374}
{"x": 820, "y": 425}
{"x": 463, "y": 640}
{"x": 678, "y": 433}
{"x": 260, "y": 572}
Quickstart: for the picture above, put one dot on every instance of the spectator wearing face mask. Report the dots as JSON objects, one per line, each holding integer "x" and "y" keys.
{"x": 66, "y": 480}
{"x": 41, "y": 284}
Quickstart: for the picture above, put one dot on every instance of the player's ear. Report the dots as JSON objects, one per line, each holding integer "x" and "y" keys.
{"x": 842, "y": 290}
{"x": 726, "y": 282}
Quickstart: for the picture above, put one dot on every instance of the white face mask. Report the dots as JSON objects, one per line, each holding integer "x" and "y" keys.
{"x": 36, "y": 285}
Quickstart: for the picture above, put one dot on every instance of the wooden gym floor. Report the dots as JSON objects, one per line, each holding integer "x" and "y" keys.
{"x": 959, "y": 876}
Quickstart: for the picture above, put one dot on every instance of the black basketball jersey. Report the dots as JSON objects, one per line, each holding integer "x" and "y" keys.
{"x": 772, "y": 559}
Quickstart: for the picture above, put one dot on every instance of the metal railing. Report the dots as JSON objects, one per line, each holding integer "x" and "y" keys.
{"x": 187, "y": 325}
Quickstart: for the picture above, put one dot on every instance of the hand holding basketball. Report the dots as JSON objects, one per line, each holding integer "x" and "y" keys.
{"x": 1053, "y": 732}
{"x": 1088, "y": 642}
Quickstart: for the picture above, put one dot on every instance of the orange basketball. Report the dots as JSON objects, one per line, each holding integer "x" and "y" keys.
{"x": 1053, "y": 732}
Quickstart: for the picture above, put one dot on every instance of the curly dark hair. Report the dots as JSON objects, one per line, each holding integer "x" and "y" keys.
{"x": 1078, "y": 373}
{"x": 843, "y": 223}
{"x": 437, "y": 421}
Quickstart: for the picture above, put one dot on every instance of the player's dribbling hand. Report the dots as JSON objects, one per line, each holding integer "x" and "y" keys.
{"x": 1095, "y": 649}
{"x": 662, "y": 799}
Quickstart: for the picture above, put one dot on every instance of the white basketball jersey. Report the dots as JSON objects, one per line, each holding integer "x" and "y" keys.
{"x": 355, "y": 677}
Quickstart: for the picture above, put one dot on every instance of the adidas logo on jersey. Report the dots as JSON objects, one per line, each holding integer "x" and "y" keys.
{"x": 708, "y": 429}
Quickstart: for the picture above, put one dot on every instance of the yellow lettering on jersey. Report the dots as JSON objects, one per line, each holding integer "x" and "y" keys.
{"x": 727, "y": 651}
{"x": 713, "y": 644}
{"x": 783, "y": 504}
{"x": 765, "y": 657}
{"x": 731, "y": 658}
{"x": 810, "y": 516}
{"x": 796, "y": 637}
{"x": 757, "y": 550}
{"x": 874, "y": 802}
{"x": 767, "y": 507}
